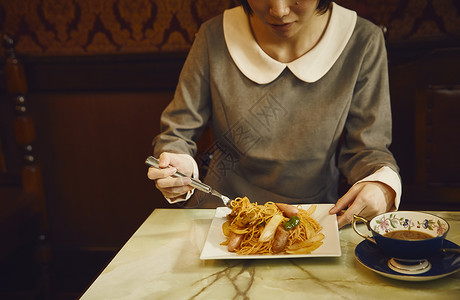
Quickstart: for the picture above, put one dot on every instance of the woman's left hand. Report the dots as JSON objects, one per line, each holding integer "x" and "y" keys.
{"x": 366, "y": 199}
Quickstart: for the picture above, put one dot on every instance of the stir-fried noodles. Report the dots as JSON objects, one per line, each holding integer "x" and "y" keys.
{"x": 271, "y": 228}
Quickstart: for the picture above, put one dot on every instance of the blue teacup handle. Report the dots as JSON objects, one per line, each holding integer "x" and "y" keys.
{"x": 353, "y": 224}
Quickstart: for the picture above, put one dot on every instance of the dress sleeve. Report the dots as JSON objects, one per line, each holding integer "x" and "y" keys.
{"x": 186, "y": 116}
{"x": 368, "y": 129}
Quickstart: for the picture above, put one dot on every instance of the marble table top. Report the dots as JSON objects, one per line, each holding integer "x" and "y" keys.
{"x": 162, "y": 261}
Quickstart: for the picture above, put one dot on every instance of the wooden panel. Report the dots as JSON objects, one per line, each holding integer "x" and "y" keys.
{"x": 93, "y": 147}
{"x": 104, "y": 73}
{"x": 438, "y": 136}
{"x": 425, "y": 129}
{"x": 96, "y": 118}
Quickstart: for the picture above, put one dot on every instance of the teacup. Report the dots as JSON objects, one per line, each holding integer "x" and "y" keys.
{"x": 411, "y": 222}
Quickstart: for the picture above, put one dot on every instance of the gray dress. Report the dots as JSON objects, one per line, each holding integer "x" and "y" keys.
{"x": 287, "y": 140}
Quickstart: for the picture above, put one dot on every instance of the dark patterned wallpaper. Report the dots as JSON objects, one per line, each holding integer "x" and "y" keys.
{"x": 411, "y": 19}
{"x": 88, "y": 27}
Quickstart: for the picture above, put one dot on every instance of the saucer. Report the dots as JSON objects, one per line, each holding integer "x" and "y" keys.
{"x": 442, "y": 264}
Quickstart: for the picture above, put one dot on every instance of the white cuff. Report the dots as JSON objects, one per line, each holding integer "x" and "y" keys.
{"x": 389, "y": 177}
{"x": 195, "y": 175}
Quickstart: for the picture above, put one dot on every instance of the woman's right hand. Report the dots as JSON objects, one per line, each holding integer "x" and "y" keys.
{"x": 172, "y": 187}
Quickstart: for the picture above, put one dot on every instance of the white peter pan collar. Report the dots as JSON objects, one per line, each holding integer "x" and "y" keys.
{"x": 255, "y": 64}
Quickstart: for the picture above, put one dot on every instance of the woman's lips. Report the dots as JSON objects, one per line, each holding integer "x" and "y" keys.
{"x": 281, "y": 27}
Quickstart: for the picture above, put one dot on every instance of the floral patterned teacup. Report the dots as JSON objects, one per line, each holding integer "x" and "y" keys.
{"x": 382, "y": 224}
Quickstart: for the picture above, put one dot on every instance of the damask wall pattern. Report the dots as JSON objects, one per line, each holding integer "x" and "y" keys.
{"x": 95, "y": 27}
{"x": 79, "y": 27}
{"x": 411, "y": 19}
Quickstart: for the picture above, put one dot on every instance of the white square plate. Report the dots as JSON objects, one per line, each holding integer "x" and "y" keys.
{"x": 330, "y": 247}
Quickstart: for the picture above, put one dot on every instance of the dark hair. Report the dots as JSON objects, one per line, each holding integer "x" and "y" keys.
{"x": 323, "y": 6}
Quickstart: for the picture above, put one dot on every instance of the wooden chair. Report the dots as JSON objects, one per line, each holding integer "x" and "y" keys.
{"x": 23, "y": 219}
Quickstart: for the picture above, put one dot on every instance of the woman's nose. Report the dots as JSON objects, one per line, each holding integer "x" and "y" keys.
{"x": 279, "y": 8}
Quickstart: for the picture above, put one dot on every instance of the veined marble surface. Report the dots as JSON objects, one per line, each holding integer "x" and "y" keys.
{"x": 162, "y": 261}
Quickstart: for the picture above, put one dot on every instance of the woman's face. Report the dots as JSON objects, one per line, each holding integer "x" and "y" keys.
{"x": 283, "y": 18}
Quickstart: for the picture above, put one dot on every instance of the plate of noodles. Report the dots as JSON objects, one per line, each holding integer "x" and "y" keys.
{"x": 272, "y": 230}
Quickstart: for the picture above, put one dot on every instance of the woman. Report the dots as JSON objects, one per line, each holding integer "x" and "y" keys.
{"x": 294, "y": 91}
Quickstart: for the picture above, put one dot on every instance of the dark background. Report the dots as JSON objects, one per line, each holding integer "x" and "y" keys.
{"x": 100, "y": 73}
